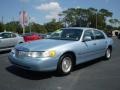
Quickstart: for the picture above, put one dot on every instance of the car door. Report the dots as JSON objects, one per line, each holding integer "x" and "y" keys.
{"x": 5, "y": 40}
{"x": 101, "y": 42}
{"x": 13, "y": 39}
{"x": 88, "y": 47}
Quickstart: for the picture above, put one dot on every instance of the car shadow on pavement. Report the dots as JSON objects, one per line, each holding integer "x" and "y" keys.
{"x": 4, "y": 52}
{"x": 87, "y": 64}
{"x": 32, "y": 75}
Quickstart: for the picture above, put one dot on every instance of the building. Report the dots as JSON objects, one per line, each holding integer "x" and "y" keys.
{"x": 115, "y": 32}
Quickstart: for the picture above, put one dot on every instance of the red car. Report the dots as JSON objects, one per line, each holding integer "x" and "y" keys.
{"x": 31, "y": 36}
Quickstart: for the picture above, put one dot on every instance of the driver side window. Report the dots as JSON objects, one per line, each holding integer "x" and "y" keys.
{"x": 88, "y": 33}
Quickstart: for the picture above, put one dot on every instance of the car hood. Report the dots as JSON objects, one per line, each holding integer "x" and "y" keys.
{"x": 41, "y": 45}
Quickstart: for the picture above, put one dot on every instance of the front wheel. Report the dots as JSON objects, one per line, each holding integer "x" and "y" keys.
{"x": 107, "y": 54}
{"x": 65, "y": 64}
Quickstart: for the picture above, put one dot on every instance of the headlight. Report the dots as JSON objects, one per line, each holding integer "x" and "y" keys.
{"x": 35, "y": 54}
{"x": 42, "y": 54}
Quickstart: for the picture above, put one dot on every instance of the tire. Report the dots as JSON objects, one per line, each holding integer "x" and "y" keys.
{"x": 107, "y": 54}
{"x": 65, "y": 64}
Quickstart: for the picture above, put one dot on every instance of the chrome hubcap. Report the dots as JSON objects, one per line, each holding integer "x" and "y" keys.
{"x": 108, "y": 54}
{"x": 66, "y": 64}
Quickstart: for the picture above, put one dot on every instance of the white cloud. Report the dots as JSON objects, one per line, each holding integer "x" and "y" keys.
{"x": 52, "y": 9}
{"x": 78, "y": 7}
{"x": 52, "y": 6}
{"x": 52, "y": 16}
{"x": 32, "y": 19}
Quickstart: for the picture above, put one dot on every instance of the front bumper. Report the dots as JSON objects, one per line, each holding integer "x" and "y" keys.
{"x": 34, "y": 64}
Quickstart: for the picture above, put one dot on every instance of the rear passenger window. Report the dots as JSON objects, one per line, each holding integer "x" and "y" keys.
{"x": 99, "y": 35}
{"x": 13, "y": 35}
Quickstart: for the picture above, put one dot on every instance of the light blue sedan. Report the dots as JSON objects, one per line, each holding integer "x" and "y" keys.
{"x": 62, "y": 51}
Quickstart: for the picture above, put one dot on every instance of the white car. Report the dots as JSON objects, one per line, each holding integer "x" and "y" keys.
{"x": 9, "y": 40}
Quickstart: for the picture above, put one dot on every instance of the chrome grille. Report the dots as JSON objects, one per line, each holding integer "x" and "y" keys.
{"x": 20, "y": 53}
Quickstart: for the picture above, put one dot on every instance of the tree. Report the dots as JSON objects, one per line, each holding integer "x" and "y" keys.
{"x": 13, "y": 26}
{"x": 53, "y": 25}
{"x": 90, "y": 17}
{"x": 1, "y": 27}
{"x": 103, "y": 15}
{"x": 35, "y": 27}
{"x": 114, "y": 22}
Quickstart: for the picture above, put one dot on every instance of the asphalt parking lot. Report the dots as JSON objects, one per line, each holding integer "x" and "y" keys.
{"x": 95, "y": 75}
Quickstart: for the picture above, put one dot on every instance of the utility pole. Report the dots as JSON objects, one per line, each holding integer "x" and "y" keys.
{"x": 2, "y": 20}
{"x": 30, "y": 24}
{"x": 23, "y": 18}
{"x": 96, "y": 20}
{"x": 14, "y": 28}
{"x": 3, "y": 24}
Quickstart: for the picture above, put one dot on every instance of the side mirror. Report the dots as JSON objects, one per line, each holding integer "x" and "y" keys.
{"x": 87, "y": 38}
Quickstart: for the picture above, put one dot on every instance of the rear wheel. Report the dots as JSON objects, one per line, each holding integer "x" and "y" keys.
{"x": 107, "y": 54}
{"x": 65, "y": 64}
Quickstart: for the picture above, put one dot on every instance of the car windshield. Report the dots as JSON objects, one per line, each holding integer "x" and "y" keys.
{"x": 67, "y": 34}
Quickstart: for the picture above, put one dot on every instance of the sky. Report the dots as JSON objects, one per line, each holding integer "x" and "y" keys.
{"x": 42, "y": 11}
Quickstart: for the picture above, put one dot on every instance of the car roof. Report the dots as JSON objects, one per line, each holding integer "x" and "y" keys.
{"x": 83, "y": 28}
{"x": 32, "y": 33}
{"x": 7, "y": 32}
